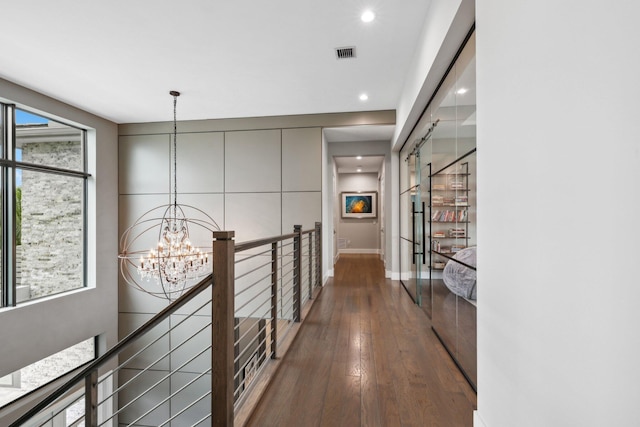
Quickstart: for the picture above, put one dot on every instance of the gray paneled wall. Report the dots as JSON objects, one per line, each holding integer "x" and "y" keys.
{"x": 256, "y": 182}
{"x": 268, "y": 179}
{"x": 253, "y": 161}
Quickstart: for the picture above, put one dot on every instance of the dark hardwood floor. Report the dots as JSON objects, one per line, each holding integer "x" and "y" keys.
{"x": 366, "y": 356}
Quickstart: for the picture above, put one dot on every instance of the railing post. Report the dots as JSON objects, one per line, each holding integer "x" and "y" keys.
{"x": 262, "y": 341}
{"x": 222, "y": 321}
{"x": 318, "y": 254}
{"x": 274, "y": 299}
{"x": 236, "y": 353}
{"x": 310, "y": 265}
{"x": 91, "y": 399}
{"x": 297, "y": 276}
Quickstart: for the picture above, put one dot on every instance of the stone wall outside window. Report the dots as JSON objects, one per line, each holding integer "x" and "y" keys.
{"x": 50, "y": 256}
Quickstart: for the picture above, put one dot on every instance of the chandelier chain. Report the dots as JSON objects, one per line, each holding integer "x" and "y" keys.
{"x": 174, "y": 262}
{"x": 175, "y": 151}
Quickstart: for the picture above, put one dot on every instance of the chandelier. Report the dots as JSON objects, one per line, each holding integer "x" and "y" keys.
{"x": 173, "y": 263}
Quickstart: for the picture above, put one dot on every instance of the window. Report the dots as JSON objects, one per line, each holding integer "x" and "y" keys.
{"x": 29, "y": 378}
{"x": 43, "y": 184}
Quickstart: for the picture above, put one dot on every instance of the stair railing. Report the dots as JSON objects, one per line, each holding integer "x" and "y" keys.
{"x": 197, "y": 360}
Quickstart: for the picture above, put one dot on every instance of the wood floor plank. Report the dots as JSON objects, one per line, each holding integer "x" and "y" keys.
{"x": 370, "y": 409}
{"x": 366, "y": 356}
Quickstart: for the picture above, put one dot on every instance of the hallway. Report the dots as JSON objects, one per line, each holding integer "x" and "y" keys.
{"x": 366, "y": 356}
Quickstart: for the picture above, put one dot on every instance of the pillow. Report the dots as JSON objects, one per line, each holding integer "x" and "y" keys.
{"x": 459, "y": 279}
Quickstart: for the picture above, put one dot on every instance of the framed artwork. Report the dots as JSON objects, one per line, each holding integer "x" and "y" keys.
{"x": 359, "y": 204}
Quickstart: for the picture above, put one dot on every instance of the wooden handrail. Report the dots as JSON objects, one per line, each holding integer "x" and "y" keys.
{"x": 100, "y": 361}
{"x": 251, "y": 244}
{"x": 240, "y": 247}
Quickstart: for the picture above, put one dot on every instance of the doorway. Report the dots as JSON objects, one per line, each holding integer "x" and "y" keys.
{"x": 358, "y": 207}
{"x": 342, "y": 147}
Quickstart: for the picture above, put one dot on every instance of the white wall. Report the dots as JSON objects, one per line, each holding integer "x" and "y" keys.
{"x": 328, "y": 238}
{"x": 362, "y": 235}
{"x": 40, "y": 328}
{"x": 446, "y": 25}
{"x": 370, "y": 148}
{"x": 558, "y": 185}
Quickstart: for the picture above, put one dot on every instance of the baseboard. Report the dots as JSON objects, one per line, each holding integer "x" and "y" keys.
{"x": 388, "y": 274}
{"x": 406, "y": 275}
{"x": 329, "y": 274}
{"x": 477, "y": 421}
{"x": 359, "y": 251}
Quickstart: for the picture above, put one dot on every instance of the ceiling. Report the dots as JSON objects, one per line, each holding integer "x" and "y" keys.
{"x": 351, "y": 164}
{"x": 118, "y": 59}
{"x": 364, "y": 164}
{"x": 359, "y": 133}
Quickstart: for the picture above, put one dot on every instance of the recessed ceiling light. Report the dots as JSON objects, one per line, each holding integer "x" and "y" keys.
{"x": 359, "y": 170}
{"x": 359, "y": 157}
{"x": 364, "y": 97}
{"x": 368, "y": 16}
{"x": 462, "y": 91}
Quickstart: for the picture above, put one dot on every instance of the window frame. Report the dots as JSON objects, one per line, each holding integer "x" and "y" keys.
{"x": 8, "y": 187}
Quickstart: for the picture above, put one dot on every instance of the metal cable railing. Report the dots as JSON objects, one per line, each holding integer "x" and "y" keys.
{"x": 268, "y": 298}
{"x": 89, "y": 374}
{"x": 195, "y": 367}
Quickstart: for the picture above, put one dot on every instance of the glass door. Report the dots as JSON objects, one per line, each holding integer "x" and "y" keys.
{"x": 410, "y": 223}
{"x": 418, "y": 219}
{"x": 414, "y": 206}
{"x": 438, "y": 212}
{"x": 423, "y": 261}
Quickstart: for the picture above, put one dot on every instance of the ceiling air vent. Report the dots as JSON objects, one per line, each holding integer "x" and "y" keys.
{"x": 345, "y": 52}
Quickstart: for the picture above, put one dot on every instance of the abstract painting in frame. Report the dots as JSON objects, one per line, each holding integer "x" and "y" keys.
{"x": 359, "y": 204}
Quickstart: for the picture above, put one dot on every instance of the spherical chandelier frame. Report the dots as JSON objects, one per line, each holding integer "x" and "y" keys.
{"x": 168, "y": 272}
